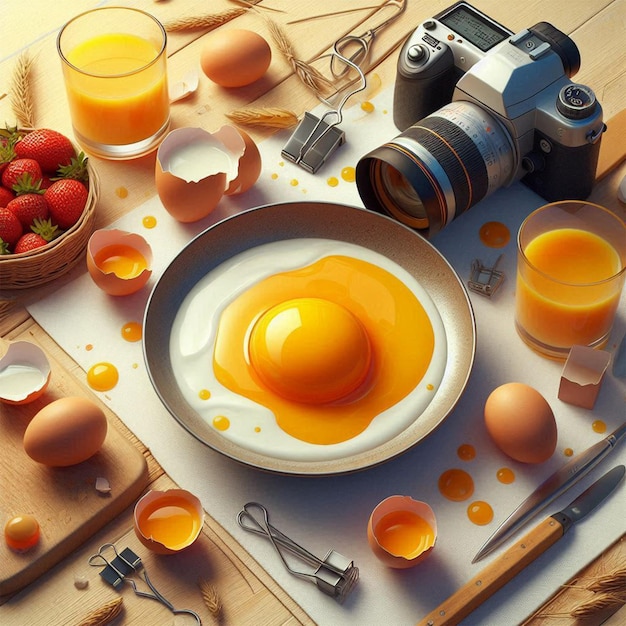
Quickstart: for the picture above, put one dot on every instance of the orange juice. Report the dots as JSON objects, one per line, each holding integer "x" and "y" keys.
{"x": 565, "y": 295}
{"x": 121, "y": 260}
{"x": 117, "y": 89}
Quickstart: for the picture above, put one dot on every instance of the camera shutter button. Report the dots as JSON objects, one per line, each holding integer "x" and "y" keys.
{"x": 416, "y": 53}
{"x": 576, "y": 102}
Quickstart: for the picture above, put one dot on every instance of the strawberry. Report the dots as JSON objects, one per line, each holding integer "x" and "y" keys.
{"x": 28, "y": 242}
{"x": 48, "y": 147}
{"x": 66, "y": 201}
{"x": 5, "y": 196}
{"x": 10, "y": 227}
{"x": 26, "y": 207}
{"x": 17, "y": 169}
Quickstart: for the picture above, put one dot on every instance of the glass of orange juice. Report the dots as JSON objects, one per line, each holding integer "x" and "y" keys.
{"x": 115, "y": 70}
{"x": 571, "y": 265}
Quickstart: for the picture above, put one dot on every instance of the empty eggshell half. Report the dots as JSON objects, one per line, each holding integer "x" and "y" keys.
{"x": 119, "y": 262}
{"x": 193, "y": 169}
{"x": 401, "y": 531}
{"x": 249, "y": 160}
{"x": 24, "y": 373}
{"x": 168, "y": 521}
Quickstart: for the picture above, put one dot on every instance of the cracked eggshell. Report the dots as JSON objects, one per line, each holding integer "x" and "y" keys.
{"x": 24, "y": 373}
{"x": 249, "y": 162}
{"x": 168, "y": 521}
{"x": 104, "y": 273}
{"x": 192, "y": 171}
{"x": 411, "y": 516}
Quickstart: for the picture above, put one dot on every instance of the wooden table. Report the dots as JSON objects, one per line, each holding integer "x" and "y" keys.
{"x": 596, "y": 27}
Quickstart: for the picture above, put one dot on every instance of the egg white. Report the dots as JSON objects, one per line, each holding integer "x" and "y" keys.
{"x": 193, "y": 337}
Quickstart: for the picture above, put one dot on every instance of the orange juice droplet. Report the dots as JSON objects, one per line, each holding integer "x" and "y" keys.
{"x": 89, "y": 347}
{"x": 257, "y": 429}
{"x": 505, "y": 475}
{"x": 132, "y": 331}
{"x": 121, "y": 260}
{"x": 170, "y": 522}
{"x": 332, "y": 181}
{"x": 348, "y": 174}
{"x": 149, "y": 221}
{"x": 294, "y": 182}
{"x": 430, "y": 387}
{"x": 102, "y": 376}
{"x": 494, "y": 234}
{"x": 404, "y": 533}
{"x": 121, "y": 192}
{"x": 598, "y": 426}
{"x": 221, "y": 423}
{"x": 480, "y": 512}
{"x": 568, "y": 452}
{"x": 204, "y": 394}
{"x": 466, "y": 452}
{"x": 367, "y": 106}
{"x": 456, "y": 485}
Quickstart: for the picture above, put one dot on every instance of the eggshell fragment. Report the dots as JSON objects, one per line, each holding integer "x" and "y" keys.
{"x": 24, "y": 373}
{"x": 235, "y": 57}
{"x": 192, "y": 171}
{"x": 168, "y": 521}
{"x": 521, "y": 423}
{"x": 249, "y": 162}
{"x": 65, "y": 432}
{"x": 401, "y": 531}
{"x": 115, "y": 277}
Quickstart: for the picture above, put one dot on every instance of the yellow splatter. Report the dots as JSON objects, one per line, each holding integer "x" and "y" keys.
{"x": 221, "y": 423}
{"x": 598, "y": 426}
{"x": 294, "y": 182}
{"x": 332, "y": 181}
{"x": 367, "y": 106}
{"x": 132, "y": 331}
{"x": 568, "y": 452}
{"x": 274, "y": 176}
{"x": 204, "y": 394}
{"x": 149, "y": 221}
{"x": 121, "y": 192}
{"x": 348, "y": 174}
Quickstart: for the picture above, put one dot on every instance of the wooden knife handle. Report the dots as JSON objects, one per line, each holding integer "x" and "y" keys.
{"x": 496, "y": 575}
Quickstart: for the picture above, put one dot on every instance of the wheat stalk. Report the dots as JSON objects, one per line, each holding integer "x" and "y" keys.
{"x": 21, "y": 96}
{"x": 263, "y": 117}
{"x": 211, "y": 597}
{"x": 614, "y": 581}
{"x": 210, "y": 21}
{"x": 599, "y": 602}
{"x": 105, "y": 614}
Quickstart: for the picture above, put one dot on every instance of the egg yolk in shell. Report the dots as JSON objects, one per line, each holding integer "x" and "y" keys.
{"x": 327, "y": 347}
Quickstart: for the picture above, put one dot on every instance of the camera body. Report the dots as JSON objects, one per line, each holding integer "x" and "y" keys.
{"x": 479, "y": 108}
{"x": 463, "y": 55}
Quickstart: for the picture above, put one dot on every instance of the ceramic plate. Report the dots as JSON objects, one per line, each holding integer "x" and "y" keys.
{"x": 279, "y": 222}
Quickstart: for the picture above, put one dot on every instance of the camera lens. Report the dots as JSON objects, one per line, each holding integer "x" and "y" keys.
{"x": 437, "y": 168}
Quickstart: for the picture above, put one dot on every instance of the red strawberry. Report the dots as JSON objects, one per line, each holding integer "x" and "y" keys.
{"x": 10, "y": 227}
{"x": 5, "y": 196}
{"x": 28, "y": 242}
{"x": 48, "y": 147}
{"x": 66, "y": 200}
{"x": 29, "y": 206}
{"x": 17, "y": 169}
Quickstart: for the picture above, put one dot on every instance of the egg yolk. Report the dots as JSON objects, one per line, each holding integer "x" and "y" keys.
{"x": 310, "y": 350}
{"x": 480, "y": 513}
{"x": 326, "y": 347}
{"x": 102, "y": 376}
{"x": 456, "y": 485}
{"x": 404, "y": 533}
{"x": 171, "y": 522}
{"x": 21, "y": 532}
{"x": 122, "y": 260}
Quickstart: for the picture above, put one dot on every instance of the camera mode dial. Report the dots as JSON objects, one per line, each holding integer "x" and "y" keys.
{"x": 576, "y": 102}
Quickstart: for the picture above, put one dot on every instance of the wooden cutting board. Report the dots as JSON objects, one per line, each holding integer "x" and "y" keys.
{"x": 63, "y": 500}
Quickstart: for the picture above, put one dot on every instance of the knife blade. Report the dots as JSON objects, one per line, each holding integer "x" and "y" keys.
{"x": 471, "y": 595}
{"x": 551, "y": 489}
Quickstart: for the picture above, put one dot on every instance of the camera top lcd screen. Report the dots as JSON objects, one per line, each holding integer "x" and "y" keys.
{"x": 474, "y": 27}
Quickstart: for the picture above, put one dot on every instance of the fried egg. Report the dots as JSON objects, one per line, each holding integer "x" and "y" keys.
{"x": 308, "y": 349}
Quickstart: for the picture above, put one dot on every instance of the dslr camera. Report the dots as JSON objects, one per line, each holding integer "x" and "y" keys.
{"x": 479, "y": 108}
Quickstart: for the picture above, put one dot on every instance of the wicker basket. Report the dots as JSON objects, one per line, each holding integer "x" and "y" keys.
{"x": 36, "y": 267}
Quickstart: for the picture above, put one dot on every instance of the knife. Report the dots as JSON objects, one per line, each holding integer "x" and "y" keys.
{"x": 525, "y": 551}
{"x": 551, "y": 489}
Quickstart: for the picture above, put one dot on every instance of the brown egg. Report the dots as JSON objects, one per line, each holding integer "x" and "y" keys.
{"x": 249, "y": 163}
{"x": 235, "y": 57}
{"x": 66, "y": 432}
{"x": 24, "y": 373}
{"x": 402, "y": 531}
{"x": 168, "y": 521}
{"x": 119, "y": 262}
{"x": 192, "y": 171}
{"x": 521, "y": 423}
